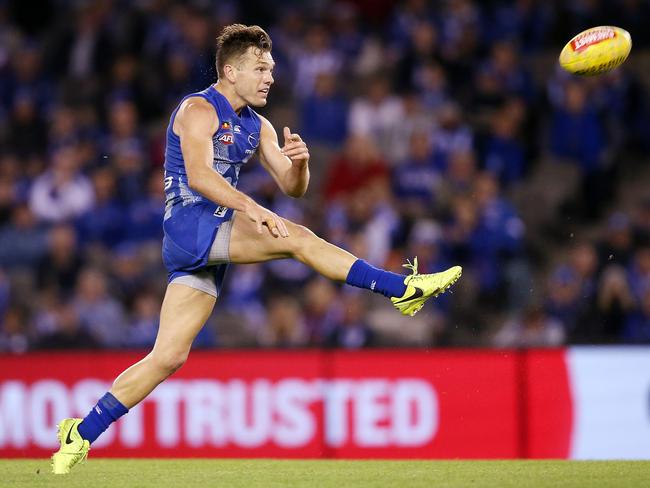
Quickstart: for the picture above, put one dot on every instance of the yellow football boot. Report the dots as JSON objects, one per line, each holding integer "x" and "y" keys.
{"x": 74, "y": 449}
{"x": 421, "y": 287}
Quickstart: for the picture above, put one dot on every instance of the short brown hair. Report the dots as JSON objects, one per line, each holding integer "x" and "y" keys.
{"x": 235, "y": 39}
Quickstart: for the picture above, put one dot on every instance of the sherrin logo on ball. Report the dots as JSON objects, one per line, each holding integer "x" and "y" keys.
{"x": 596, "y": 50}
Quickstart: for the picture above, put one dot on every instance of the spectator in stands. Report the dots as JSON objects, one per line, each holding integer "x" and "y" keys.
{"x": 123, "y": 134}
{"x": 131, "y": 167}
{"x": 243, "y": 296}
{"x": 27, "y": 79}
{"x": 639, "y": 272}
{"x": 82, "y": 50}
{"x": 418, "y": 118}
{"x": 23, "y": 243}
{"x": 563, "y": 297}
{"x": 498, "y": 239}
{"x": 128, "y": 273}
{"x": 14, "y": 332}
{"x": 374, "y": 221}
{"x": 352, "y": 332}
{"x": 504, "y": 154}
{"x": 416, "y": 180}
{"x": 103, "y": 224}
{"x": 459, "y": 175}
{"x": 617, "y": 244}
{"x": 505, "y": 67}
{"x": 198, "y": 45}
{"x": 430, "y": 83}
{"x": 422, "y": 50}
{"x": 358, "y": 166}
{"x": 316, "y": 56}
{"x": 526, "y": 21}
{"x": 533, "y": 329}
{"x": 426, "y": 241}
{"x": 63, "y": 127}
{"x": 322, "y": 308}
{"x": 145, "y": 213}
{"x": 452, "y": 135}
{"x": 378, "y": 117}
{"x": 405, "y": 18}
{"x": 642, "y": 223}
{"x": 13, "y": 186}
{"x": 63, "y": 192}
{"x": 5, "y": 291}
{"x": 100, "y": 313}
{"x": 637, "y": 325}
{"x": 578, "y": 136}
{"x": 615, "y": 301}
{"x": 583, "y": 262}
{"x": 285, "y": 324}
{"x": 324, "y": 112}
{"x": 68, "y": 331}
{"x": 144, "y": 325}
{"x": 60, "y": 266}
{"x": 176, "y": 76}
{"x": 348, "y": 39}
{"x": 125, "y": 84}
{"x": 25, "y": 132}
{"x": 459, "y": 34}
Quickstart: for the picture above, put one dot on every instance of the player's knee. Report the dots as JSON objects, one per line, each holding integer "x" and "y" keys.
{"x": 170, "y": 361}
{"x": 301, "y": 239}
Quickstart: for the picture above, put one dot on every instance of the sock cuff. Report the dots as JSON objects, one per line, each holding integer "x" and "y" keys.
{"x": 357, "y": 266}
{"x": 113, "y": 405}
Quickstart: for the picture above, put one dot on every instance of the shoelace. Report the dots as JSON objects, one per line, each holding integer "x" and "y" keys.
{"x": 413, "y": 266}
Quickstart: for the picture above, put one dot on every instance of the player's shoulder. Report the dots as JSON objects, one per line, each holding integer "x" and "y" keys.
{"x": 197, "y": 106}
{"x": 265, "y": 124}
{"x": 197, "y": 111}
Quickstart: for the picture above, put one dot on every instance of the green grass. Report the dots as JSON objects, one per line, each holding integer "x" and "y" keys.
{"x": 338, "y": 474}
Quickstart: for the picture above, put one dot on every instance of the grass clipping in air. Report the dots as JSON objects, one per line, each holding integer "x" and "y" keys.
{"x": 145, "y": 473}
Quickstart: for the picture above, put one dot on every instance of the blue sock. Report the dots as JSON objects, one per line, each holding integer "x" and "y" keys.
{"x": 363, "y": 275}
{"x": 107, "y": 410}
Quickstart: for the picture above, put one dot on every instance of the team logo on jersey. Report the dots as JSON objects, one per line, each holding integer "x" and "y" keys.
{"x": 225, "y": 125}
{"x": 227, "y": 138}
{"x": 253, "y": 139}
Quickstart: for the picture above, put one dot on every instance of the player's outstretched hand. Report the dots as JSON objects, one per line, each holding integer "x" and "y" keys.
{"x": 264, "y": 217}
{"x": 295, "y": 148}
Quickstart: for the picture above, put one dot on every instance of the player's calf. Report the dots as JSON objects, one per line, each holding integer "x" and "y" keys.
{"x": 168, "y": 362}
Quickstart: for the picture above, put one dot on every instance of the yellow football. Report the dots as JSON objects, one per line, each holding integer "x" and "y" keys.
{"x": 596, "y": 50}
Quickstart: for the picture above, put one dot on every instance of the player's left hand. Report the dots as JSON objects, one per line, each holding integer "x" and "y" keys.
{"x": 295, "y": 148}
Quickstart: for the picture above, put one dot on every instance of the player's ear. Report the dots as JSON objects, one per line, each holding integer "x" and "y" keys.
{"x": 230, "y": 72}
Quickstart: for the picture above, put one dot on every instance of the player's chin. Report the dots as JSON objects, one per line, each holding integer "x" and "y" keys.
{"x": 259, "y": 100}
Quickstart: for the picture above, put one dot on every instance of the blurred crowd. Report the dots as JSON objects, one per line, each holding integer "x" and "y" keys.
{"x": 438, "y": 129}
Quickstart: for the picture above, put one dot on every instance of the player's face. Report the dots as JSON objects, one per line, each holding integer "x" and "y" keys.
{"x": 255, "y": 77}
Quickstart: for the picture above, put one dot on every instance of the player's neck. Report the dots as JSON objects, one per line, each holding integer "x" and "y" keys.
{"x": 236, "y": 102}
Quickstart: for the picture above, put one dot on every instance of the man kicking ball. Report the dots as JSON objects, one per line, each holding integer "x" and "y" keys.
{"x": 208, "y": 224}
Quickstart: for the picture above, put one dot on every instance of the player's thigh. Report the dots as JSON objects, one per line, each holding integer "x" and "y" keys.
{"x": 249, "y": 246}
{"x": 183, "y": 313}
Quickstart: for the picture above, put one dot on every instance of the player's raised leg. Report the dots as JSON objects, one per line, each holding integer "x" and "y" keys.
{"x": 407, "y": 293}
{"x": 183, "y": 313}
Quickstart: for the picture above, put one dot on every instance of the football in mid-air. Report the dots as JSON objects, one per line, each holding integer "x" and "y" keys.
{"x": 596, "y": 50}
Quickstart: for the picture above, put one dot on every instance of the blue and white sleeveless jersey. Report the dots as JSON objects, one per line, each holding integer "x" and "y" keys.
{"x": 191, "y": 220}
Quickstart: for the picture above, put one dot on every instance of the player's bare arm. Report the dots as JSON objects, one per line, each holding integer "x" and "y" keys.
{"x": 289, "y": 164}
{"x": 195, "y": 124}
